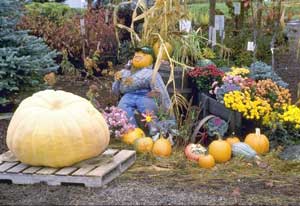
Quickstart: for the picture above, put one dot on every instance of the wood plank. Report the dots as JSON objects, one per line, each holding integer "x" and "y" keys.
{"x": 110, "y": 152}
{"x": 32, "y": 170}
{"x": 83, "y": 170}
{"x": 47, "y": 171}
{"x": 7, "y": 165}
{"x": 66, "y": 170}
{"x": 8, "y": 157}
{"x": 103, "y": 169}
{"x": 122, "y": 156}
{"x": 20, "y": 173}
{"x": 21, "y": 178}
{"x": 18, "y": 168}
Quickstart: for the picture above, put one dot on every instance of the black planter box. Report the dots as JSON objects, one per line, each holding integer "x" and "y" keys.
{"x": 211, "y": 106}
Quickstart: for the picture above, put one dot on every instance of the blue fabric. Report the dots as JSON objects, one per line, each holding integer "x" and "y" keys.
{"x": 137, "y": 101}
{"x": 142, "y": 80}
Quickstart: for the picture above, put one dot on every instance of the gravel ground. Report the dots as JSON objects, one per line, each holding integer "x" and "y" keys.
{"x": 132, "y": 192}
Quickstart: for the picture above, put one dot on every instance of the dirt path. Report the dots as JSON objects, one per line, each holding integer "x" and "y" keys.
{"x": 287, "y": 63}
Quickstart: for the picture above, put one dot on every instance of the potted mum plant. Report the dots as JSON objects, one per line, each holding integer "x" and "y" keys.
{"x": 208, "y": 81}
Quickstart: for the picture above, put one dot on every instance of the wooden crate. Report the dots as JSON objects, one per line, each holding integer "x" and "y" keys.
{"x": 89, "y": 173}
{"x": 212, "y": 106}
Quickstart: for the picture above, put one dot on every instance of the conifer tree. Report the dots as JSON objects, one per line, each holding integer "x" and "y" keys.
{"x": 24, "y": 59}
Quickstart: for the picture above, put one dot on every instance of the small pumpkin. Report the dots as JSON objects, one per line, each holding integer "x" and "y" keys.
{"x": 220, "y": 150}
{"x": 156, "y": 47}
{"x": 232, "y": 139}
{"x": 162, "y": 148}
{"x": 141, "y": 60}
{"x": 132, "y": 135}
{"x": 193, "y": 151}
{"x": 259, "y": 142}
{"x": 56, "y": 129}
{"x": 143, "y": 145}
{"x": 206, "y": 161}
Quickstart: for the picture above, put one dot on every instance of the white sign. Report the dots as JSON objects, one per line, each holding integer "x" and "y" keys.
{"x": 185, "y": 25}
{"x": 237, "y": 8}
{"x": 212, "y": 36}
{"x": 222, "y": 35}
{"x": 250, "y": 46}
{"x": 82, "y": 27}
{"x": 219, "y": 22}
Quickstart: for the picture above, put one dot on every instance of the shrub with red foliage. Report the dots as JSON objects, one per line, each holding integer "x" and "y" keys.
{"x": 67, "y": 35}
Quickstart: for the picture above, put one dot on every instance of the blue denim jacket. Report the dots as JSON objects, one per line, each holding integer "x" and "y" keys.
{"x": 142, "y": 83}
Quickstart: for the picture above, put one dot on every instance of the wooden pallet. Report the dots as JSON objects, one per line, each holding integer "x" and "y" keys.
{"x": 91, "y": 173}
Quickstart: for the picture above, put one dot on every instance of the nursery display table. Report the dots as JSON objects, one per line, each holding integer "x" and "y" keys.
{"x": 94, "y": 172}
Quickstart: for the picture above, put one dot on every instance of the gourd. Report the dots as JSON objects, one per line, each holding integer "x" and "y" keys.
{"x": 130, "y": 136}
{"x": 56, "y": 129}
{"x": 164, "y": 54}
{"x": 258, "y": 142}
{"x": 232, "y": 139}
{"x": 143, "y": 145}
{"x": 162, "y": 148}
{"x": 141, "y": 60}
{"x": 206, "y": 161}
{"x": 243, "y": 150}
{"x": 193, "y": 151}
{"x": 220, "y": 150}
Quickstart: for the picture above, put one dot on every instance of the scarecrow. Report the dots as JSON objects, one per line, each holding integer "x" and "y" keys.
{"x": 138, "y": 91}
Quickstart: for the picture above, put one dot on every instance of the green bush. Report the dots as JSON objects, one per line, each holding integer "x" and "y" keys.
{"x": 23, "y": 58}
{"x": 55, "y": 12}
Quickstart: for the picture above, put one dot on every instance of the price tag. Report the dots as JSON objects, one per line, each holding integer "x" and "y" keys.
{"x": 82, "y": 27}
{"x": 250, "y": 46}
{"x": 237, "y": 8}
{"x": 219, "y": 22}
{"x": 185, "y": 25}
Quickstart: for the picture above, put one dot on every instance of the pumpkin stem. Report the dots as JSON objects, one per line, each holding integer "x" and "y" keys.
{"x": 257, "y": 131}
{"x": 218, "y": 135}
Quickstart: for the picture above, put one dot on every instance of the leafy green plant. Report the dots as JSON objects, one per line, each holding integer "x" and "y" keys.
{"x": 216, "y": 125}
{"x": 66, "y": 66}
{"x": 260, "y": 70}
{"x": 23, "y": 58}
{"x": 187, "y": 124}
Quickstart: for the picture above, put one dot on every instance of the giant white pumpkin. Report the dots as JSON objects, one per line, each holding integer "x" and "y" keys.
{"x": 56, "y": 129}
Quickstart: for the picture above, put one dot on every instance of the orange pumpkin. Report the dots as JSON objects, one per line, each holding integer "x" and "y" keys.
{"x": 141, "y": 60}
{"x": 162, "y": 148}
{"x": 206, "y": 161}
{"x": 220, "y": 150}
{"x": 156, "y": 47}
{"x": 232, "y": 139}
{"x": 143, "y": 145}
{"x": 132, "y": 135}
{"x": 258, "y": 142}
